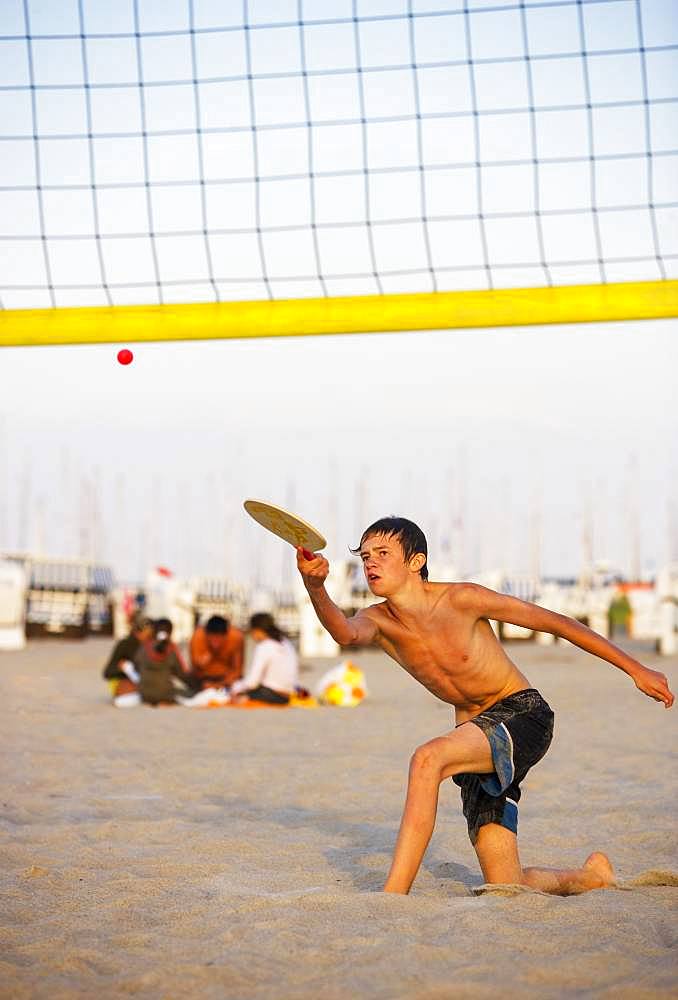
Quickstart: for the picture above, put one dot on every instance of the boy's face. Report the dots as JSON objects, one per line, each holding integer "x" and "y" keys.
{"x": 384, "y": 564}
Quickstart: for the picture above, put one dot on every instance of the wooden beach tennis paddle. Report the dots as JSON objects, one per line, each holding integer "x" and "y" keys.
{"x": 288, "y": 526}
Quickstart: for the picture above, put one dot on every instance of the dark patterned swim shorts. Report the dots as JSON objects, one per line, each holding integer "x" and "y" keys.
{"x": 520, "y": 730}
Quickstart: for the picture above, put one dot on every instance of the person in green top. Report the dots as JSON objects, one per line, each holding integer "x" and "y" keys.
{"x": 120, "y": 671}
{"x": 619, "y": 615}
{"x": 159, "y": 662}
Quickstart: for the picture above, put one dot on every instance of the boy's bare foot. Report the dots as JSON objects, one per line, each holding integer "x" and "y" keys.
{"x": 595, "y": 873}
{"x": 599, "y": 864}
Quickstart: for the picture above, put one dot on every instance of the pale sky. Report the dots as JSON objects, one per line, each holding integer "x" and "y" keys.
{"x": 498, "y": 428}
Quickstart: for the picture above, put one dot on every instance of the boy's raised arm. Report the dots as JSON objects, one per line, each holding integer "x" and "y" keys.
{"x": 485, "y": 603}
{"x": 360, "y": 630}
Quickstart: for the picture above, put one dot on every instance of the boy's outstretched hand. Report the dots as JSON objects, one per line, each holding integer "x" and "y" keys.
{"x": 654, "y": 685}
{"x": 314, "y": 571}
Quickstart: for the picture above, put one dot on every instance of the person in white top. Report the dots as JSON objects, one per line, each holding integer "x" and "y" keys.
{"x": 273, "y": 673}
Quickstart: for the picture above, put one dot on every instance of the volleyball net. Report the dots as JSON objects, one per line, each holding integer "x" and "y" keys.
{"x": 193, "y": 168}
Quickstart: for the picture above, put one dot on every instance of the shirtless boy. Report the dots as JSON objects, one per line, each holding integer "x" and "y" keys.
{"x": 440, "y": 633}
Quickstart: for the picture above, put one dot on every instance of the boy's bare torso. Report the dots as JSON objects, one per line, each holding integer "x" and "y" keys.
{"x": 450, "y": 651}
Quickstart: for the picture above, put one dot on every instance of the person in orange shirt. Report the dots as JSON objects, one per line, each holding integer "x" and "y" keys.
{"x": 216, "y": 651}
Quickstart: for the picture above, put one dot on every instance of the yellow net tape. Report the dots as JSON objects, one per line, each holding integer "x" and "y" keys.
{"x": 350, "y": 314}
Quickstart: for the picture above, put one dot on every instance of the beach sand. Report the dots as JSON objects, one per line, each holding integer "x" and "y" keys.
{"x": 220, "y": 853}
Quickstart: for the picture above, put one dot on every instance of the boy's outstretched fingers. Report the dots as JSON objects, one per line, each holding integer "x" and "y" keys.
{"x": 655, "y": 685}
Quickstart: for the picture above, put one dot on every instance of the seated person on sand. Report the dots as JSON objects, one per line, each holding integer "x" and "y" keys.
{"x": 120, "y": 671}
{"x": 216, "y": 651}
{"x": 159, "y": 662}
{"x": 273, "y": 673}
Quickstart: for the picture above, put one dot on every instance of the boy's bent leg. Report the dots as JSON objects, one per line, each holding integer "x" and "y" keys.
{"x": 465, "y": 749}
{"x": 497, "y": 850}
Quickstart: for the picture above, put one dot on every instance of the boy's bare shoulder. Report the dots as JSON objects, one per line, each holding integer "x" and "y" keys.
{"x": 373, "y": 611}
{"x": 462, "y": 596}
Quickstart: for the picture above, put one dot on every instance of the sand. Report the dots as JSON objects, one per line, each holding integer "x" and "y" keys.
{"x": 219, "y": 853}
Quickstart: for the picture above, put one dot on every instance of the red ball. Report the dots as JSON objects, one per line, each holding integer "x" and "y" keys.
{"x": 125, "y": 357}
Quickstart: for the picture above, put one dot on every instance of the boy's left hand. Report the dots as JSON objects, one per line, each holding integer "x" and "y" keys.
{"x": 654, "y": 685}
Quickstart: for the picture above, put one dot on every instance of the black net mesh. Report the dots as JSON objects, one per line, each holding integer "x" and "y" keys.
{"x": 195, "y": 150}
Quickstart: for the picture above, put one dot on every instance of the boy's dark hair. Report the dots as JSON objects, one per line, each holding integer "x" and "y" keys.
{"x": 412, "y": 539}
{"x": 216, "y": 625}
{"x": 264, "y": 622}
